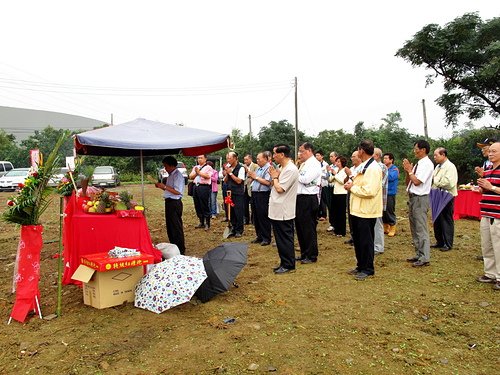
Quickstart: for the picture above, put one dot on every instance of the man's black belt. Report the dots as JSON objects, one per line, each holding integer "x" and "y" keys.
{"x": 411, "y": 195}
{"x": 203, "y": 184}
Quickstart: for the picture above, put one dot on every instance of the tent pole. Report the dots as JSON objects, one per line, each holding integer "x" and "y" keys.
{"x": 142, "y": 178}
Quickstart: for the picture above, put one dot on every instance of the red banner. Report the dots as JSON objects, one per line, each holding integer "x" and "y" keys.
{"x": 27, "y": 272}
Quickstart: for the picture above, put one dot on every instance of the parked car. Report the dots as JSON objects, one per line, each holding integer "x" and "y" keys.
{"x": 105, "y": 176}
{"x": 5, "y": 166}
{"x": 57, "y": 176}
{"x": 11, "y": 180}
{"x": 162, "y": 173}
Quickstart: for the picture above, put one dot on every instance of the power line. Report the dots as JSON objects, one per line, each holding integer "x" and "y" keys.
{"x": 274, "y": 107}
{"x": 138, "y": 91}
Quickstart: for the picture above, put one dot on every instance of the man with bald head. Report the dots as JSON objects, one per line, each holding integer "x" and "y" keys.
{"x": 444, "y": 177}
{"x": 490, "y": 218}
{"x": 379, "y": 225}
{"x": 351, "y": 173}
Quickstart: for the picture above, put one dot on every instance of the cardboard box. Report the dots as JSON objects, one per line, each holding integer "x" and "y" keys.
{"x": 108, "y": 281}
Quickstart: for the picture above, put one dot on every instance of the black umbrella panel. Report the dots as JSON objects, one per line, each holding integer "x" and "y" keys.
{"x": 222, "y": 265}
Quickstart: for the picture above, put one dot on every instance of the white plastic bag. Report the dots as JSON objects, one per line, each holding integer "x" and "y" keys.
{"x": 168, "y": 250}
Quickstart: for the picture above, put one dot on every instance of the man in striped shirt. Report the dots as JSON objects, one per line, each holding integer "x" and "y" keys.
{"x": 490, "y": 219}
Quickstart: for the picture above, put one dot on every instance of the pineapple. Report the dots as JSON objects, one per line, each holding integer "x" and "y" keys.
{"x": 104, "y": 203}
{"x": 125, "y": 198}
{"x": 101, "y": 207}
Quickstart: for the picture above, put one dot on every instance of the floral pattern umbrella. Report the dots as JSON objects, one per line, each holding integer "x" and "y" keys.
{"x": 170, "y": 283}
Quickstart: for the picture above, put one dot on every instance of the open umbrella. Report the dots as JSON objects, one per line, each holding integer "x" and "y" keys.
{"x": 222, "y": 265}
{"x": 438, "y": 200}
{"x": 169, "y": 283}
{"x": 142, "y": 137}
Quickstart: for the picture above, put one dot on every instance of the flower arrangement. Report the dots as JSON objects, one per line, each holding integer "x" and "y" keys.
{"x": 34, "y": 194}
{"x": 69, "y": 182}
{"x": 66, "y": 186}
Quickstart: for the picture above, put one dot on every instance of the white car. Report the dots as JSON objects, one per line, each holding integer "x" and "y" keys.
{"x": 11, "y": 180}
{"x": 58, "y": 176}
{"x": 162, "y": 173}
{"x": 105, "y": 176}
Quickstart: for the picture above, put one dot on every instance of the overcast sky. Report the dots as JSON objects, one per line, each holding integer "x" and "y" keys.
{"x": 211, "y": 64}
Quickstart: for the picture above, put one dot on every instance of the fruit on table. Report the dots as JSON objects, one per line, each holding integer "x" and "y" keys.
{"x": 120, "y": 206}
{"x": 92, "y": 209}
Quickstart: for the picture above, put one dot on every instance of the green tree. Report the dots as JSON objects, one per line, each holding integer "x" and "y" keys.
{"x": 280, "y": 132}
{"x": 463, "y": 151}
{"x": 466, "y": 54}
{"x": 9, "y": 150}
{"x": 46, "y": 139}
{"x": 335, "y": 140}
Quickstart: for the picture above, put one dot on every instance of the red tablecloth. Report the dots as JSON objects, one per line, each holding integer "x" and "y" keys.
{"x": 467, "y": 204}
{"x": 96, "y": 233}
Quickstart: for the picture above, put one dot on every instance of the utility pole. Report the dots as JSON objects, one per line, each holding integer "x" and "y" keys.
{"x": 250, "y": 132}
{"x": 425, "y": 120}
{"x": 296, "y": 122}
{"x": 111, "y": 119}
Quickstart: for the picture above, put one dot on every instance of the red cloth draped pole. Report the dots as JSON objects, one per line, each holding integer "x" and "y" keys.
{"x": 27, "y": 273}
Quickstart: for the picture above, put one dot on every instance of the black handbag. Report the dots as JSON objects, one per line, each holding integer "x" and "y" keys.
{"x": 190, "y": 188}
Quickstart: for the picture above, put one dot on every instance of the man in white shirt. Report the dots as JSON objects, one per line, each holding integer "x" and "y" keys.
{"x": 419, "y": 180}
{"x": 306, "y": 218}
{"x": 282, "y": 205}
{"x": 324, "y": 199}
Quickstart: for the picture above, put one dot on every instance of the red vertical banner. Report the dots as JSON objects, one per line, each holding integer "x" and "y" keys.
{"x": 27, "y": 272}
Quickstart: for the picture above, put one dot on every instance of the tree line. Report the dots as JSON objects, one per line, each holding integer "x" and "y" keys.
{"x": 389, "y": 135}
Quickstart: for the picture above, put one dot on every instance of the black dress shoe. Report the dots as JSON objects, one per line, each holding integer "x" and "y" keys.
{"x": 265, "y": 243}
{"x": 256, "y": 241}
{"x": 412, "y": 259}
{"x": 360, "y": 276}
{"x": 277, "y": 267}
{"x": 298, "y": 259}
{"x": 308, "y": 261}
{"x": 420, "y": 263}
{"x": 200, "y": 226}
{"x": 436, "y": 246}
{"x": 445, "y": 248}
{"x": 349, "y": 242}
{"x": 354, "y": 271}
{"x": 283, "y": 270}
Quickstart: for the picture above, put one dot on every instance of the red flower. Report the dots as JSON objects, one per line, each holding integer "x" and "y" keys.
{"x": 20, "y": 185}
{"x": 10, "y": 203}
{"x": 35, "y": 174}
